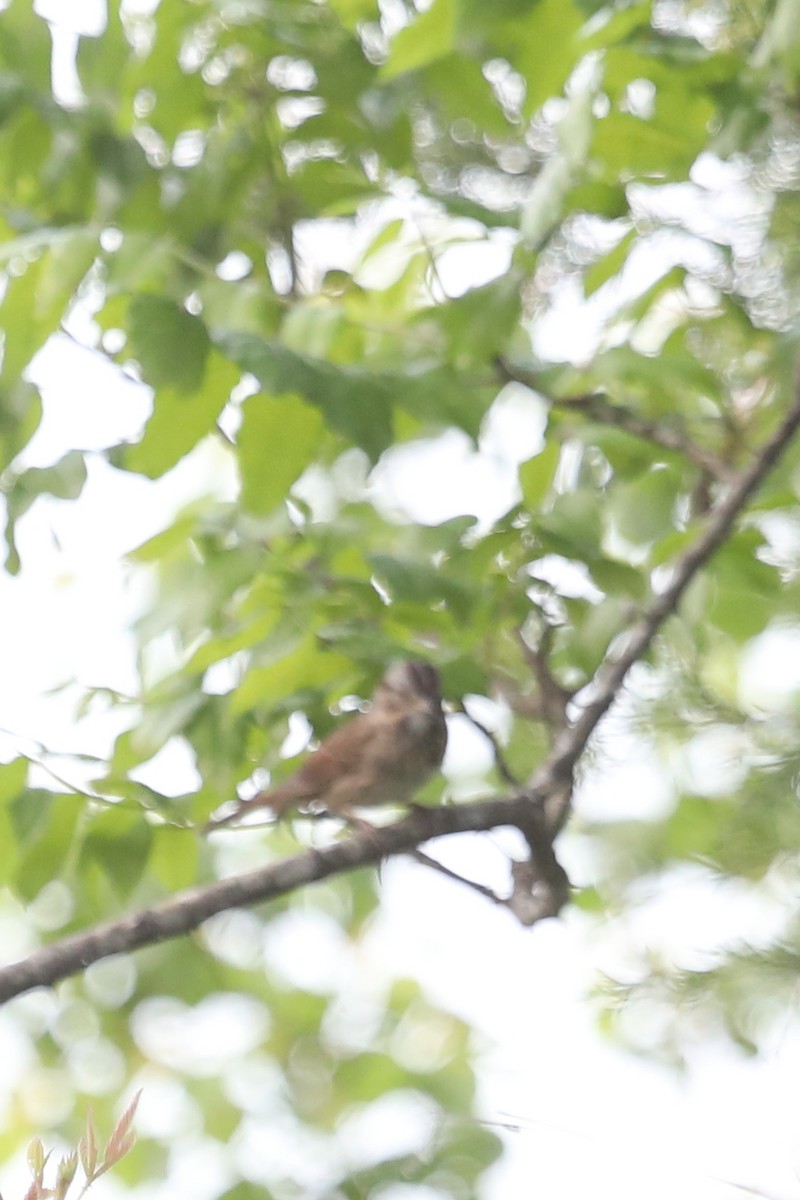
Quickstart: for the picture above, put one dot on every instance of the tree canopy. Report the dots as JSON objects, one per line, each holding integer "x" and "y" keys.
{"x": 337, "y": 244}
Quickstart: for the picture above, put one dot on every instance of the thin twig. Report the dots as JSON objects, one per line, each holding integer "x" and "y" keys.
{"x": 503, "y": 769}
{"x": 434, "y": 864}
{"x": 553, "y": 697}
{"x": 432, "y": 263}
{"x": 667, "y": 436}
{"x": 599, "y": 409}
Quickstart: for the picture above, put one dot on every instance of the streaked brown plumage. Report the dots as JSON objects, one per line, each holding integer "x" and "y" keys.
{"x": 381, "y": 756}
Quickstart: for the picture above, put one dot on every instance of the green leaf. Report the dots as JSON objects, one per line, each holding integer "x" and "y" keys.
{"x": 641, "y": 512}
{"x": 619, "y": 26}
{"x": 179, "y": 421}
{"x": 546, "y": 50}
{"x": 422, "y": 583}
{"x": 119, "y": 842}
{"x": 13, "y": 780}
{"x": 71, "y": 255}
{"x": 45, "y": 269}
{"x": 610, "y": 265}
{"x": 13, "y": 777}
{"x": 537, "y": 474}
{"x": 352, "y": 12}
{"x": 595, "y": 632}
{"x": 746, "y": 592}
{"x": 174, "y": 857}
{"x": 22, "y": 335}
{"x": 479, "y": 323}
{"x": 280, "y": 437}
{"x": 101, "y": 61}
{"x": 353, "y": 402}
{"x": 170, "y": 344}
{"x": 26, "y": 44}
{"x": 45, "y": 853}
{"x": 367, "y": 1076}
{"x": 20, "y": 414}
{"x": 65, "y": 480}
{"x": 141, "y": 263}
{"x": 427, "y": 38}
{"x": 573, "y": 525}
{"x": 628, "y": 145}
{"x": 297, "y": 669}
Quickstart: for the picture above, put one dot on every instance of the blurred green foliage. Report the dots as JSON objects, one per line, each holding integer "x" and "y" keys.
{"x": 175, "y": 205}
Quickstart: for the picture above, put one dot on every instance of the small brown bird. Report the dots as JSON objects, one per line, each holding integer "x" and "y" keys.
{"x": 382, "y": 756}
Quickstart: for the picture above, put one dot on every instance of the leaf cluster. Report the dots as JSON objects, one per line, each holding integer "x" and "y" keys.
{"x": 330, "y": 243}
{"x": 92, "y": 1163}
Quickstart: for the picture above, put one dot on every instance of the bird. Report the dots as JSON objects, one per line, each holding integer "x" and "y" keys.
{"x": 381, "y": 756}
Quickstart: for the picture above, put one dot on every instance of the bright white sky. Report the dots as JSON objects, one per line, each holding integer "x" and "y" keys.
{"x": 588, "y": 1119}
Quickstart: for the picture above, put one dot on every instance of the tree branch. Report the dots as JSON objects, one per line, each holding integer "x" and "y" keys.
{"x": 611, "y": 674}
{"x": 540, "y": 887}
{"x": 599, "y": 409}
{"x": 188, "y": 909}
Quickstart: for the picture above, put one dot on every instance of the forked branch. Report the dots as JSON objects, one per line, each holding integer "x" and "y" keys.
{"x": 597, "y": 408}
{"x": 540, "y": 887}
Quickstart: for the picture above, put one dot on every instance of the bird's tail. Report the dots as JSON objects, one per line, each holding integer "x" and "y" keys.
{"x": 278, "y": 800}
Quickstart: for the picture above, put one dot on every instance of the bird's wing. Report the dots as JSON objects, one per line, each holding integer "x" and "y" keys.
{"x": 341, "y": 754}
